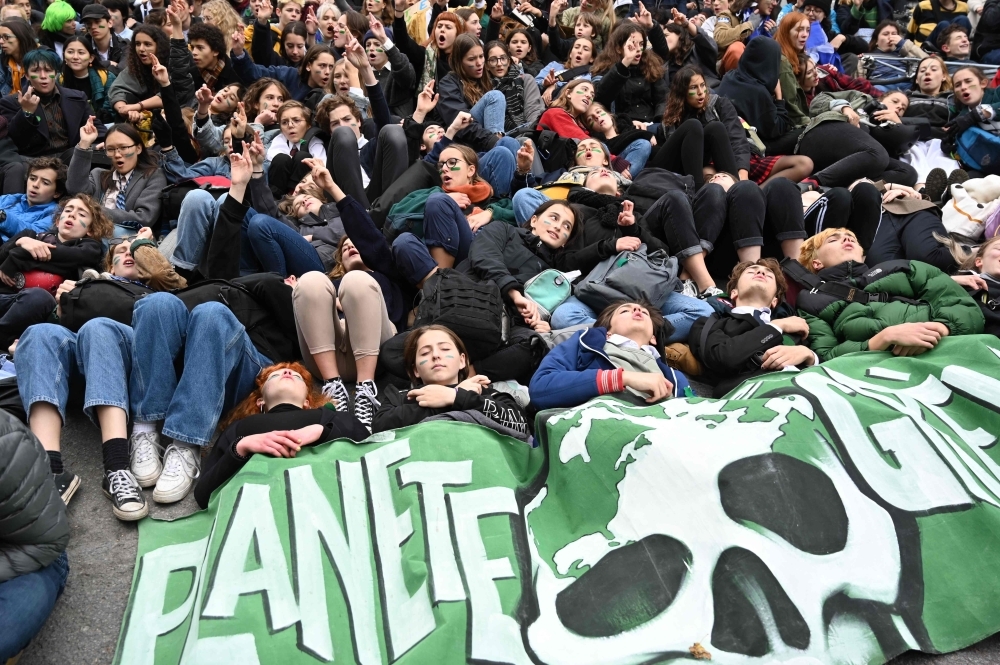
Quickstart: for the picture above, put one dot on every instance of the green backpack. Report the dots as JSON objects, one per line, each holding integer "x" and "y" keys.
{"x": 549, "y": 289}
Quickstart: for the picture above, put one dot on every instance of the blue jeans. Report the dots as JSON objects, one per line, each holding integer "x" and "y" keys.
{"x": 25, "y": 604}
{"x": 220, "y": 365}
{"x": 445, "y": 226}
{"x": 637, "y": 153}
{"x": 278, "y": 248}
{"x": 498, "y": 164}
{"x": 49, "y": 356}
{"x": 680, "y": 310}
{"x": 194, "y": 224}
{"x": 991, "y": 58}
{"x": 490, "y": 111}
{"x": 526, "y": 201}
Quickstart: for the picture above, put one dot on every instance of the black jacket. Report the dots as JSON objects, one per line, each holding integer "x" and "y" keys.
{"x": 987, "y": 37}
{"x": 598, "y": 231}
{"x": 68, "y": 259}
{"x": 399, "y": 83}
{"x": 117, "y": 52}
{"x": 31, "y": 135}
{"x": 732, "y": 349}
{"x": 750, "y": 88}
{"x": 719, "y": 109}
{"x": 704, "y": 55}
{"x": 989, "y": 303}
{"x": 399, "y": 411}
{"x": 632, "y": 93}
{"x": 223, "y": 463}
{"x": 508, "y": 256}
{"x": 928, "y": 114}
{"x": 186, "y": 78}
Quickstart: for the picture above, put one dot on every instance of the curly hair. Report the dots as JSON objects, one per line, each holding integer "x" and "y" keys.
{"x": 329, "y": 104}
{"x": 780, "y": 285}
{"x": 684, "y": 43}
{"x": 248, "y": 406}
{"x": 212, "y": 36}
{"x": 223, "y": 16}
{"x": 472, "y": 89}
{"x": 651, "y": 64}
{"x": 101, "y": 226}
{"x": 134, "y": 64}
{"x": 54, "y": 163}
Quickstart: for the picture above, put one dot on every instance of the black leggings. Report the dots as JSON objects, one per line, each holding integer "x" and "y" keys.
{"x": 693, "y": 146}
{"x": 842, "y": 153}
{"x": 859, "y": 210}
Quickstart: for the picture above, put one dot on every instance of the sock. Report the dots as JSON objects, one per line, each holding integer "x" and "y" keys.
{"x": 115, "y": 454}
{"x": 140, "y": 427}
{"x": 55, "y": 461}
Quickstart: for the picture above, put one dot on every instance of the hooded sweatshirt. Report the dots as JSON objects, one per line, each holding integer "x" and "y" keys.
{"x": 751, "y": 86}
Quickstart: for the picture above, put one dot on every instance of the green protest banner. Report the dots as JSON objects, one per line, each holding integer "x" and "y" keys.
{"x": 843, "y": 514}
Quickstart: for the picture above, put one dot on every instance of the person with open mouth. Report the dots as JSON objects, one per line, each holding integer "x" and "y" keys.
{"x": 632, "y": 75}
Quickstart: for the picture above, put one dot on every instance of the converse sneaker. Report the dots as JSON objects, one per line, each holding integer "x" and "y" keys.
{"x": 365, "y": 403}
{"x": 181, "y": 466}
{"x": 127, "y": 502}
{"x": 335, "y": 390}
{"x": 67, "y": 484}
{"x": 146, "y": 452}
{"x": 689, "y": 288}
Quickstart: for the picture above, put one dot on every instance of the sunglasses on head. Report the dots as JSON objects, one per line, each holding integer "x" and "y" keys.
{"x": 117, "y": 241}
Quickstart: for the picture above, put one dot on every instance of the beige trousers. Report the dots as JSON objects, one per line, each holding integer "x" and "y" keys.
{"x": 365, "y": 325}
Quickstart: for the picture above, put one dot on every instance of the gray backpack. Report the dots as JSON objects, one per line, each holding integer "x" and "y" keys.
{"x": 630, "y": 276}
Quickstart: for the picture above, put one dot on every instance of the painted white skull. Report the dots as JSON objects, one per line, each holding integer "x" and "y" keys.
{"x": 685, "y": 502}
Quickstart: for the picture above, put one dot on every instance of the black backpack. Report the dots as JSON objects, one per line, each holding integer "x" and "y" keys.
{"x": 652, "y": 183}
{"x": 555, "y": 152}
{"x": 95, "y": 298}
{"x": 472, "y": 310}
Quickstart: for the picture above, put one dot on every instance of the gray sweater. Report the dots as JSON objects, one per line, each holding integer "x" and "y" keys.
{"x": 142, "y": 198}
{"x": 33, "y": 526}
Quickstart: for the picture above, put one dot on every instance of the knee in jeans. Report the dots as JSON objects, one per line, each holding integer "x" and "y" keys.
{"x": 158, "y": 305}
{"x": 494, "y": 97}
{"x": 746, "y": 192}
{"x": 260, "y": 226}
{"x": 197, "y": 200}
{"x": 37, "y": 298}
{"x": 96, "y": 329}
{"x": 210, "y": 314}
{"x": 405, "y": 245}
{"x": 439, "y": 203}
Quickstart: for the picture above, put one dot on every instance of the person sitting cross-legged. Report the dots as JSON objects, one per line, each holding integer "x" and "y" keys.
{"x": 620, "y": 356}
{"x": 903, "y": 306}
{"x": 750, "y": 337}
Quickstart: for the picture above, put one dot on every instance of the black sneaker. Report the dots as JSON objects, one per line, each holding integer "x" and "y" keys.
{"x": 366, "y": 403}
{"x": 67, "y": 484}
{"x": 127, "y": 502}
{"x": 936, "y": 184}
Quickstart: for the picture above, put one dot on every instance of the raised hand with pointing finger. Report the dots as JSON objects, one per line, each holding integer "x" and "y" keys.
{"x": 28, "y": 101}
{"x": 160, "y": 72}
{"x": 88, "y": 134}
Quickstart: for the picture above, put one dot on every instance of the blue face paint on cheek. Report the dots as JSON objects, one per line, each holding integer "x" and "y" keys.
{"x": 422, "y": 362}
{"x": 117, "y": 260}
{"x": 451, "y": 357}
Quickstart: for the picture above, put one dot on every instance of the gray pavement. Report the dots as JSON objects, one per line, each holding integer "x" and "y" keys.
{"x": 83, "y": 629}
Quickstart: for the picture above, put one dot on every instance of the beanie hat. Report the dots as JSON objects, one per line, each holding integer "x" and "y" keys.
{"x": 371, "y": 35}
{"x": 823, "y": 5}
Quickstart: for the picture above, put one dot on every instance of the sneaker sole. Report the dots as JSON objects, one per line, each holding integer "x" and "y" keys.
{"x": 146, "y": 482}
{"x": 173, "y": 496}
{"x": 133, "y": 516}
{"x": 67, "y": 496}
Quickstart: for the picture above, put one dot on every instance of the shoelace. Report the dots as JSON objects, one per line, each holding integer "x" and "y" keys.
{"x": 365, "y": 408}
{"x": 145, "y": 447}
{"x": 123, "y": 486}
{"x": 336, "y": 391}
{"x": 177, "y": 463}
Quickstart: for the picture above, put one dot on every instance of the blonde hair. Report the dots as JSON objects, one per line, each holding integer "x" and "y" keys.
{"x": 223, "y": 16}
{"x": 810, "y": 248}
{"x": 154, "y": 269}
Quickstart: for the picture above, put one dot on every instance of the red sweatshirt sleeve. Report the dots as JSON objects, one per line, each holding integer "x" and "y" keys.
{"x": 562, "y": 123}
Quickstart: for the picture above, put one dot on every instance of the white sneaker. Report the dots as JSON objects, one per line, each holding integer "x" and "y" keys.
{"x": 146, "y": 453}
{"x": 711, "y": 292}
{"x": 689, "y": 288}
{"x": 181, "y": 466}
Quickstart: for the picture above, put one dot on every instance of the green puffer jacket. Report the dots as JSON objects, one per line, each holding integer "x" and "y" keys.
{"x": 33, "y": 526}
{"x": 408, "y": 214}
{"x": 922, "y": 293}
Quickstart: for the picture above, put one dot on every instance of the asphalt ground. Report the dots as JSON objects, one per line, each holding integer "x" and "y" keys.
{"x": 83, "y": 628}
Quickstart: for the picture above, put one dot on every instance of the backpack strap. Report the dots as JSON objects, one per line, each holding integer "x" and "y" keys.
{"x": 814, "y": 284}
{"x": 706, "y": 330}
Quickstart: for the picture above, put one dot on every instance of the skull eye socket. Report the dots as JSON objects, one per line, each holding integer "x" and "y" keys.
{"x": 793, "y": 499}
{"x": 618, "y": 593}
{"x": 746, "y": 595}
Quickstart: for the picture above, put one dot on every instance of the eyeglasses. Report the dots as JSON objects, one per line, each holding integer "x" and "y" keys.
{"x": 119, "y": 150}
{"x": 7, "y": 38}
{"x": 451, "y": 164}
{"x": 117, "y": 241}
{"x": 499, "y": 60}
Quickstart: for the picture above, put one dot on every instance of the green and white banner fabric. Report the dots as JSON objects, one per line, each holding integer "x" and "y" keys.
{"x": 843, "y": 514}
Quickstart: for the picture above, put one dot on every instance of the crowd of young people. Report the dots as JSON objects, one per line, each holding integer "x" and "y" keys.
{"x": 219, "y": 218}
